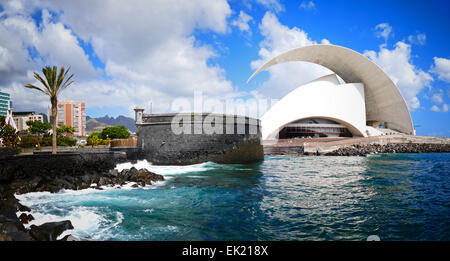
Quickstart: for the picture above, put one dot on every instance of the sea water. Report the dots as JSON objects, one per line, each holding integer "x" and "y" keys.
{"x": 393, "y": 196}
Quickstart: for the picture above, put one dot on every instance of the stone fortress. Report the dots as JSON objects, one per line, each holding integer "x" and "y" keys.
{"x": 189, "y": 138}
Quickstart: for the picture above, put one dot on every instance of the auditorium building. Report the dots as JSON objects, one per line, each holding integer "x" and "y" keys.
{"x": 367, "y": 102}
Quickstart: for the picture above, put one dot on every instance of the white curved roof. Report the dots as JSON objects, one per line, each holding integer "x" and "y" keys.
{"x": 383, "y": 100}
{"x": 322, "y": 98}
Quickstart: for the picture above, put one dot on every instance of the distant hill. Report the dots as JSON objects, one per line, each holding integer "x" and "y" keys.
{"x": 92, "y": 125}
{"x": 97, "y": 124}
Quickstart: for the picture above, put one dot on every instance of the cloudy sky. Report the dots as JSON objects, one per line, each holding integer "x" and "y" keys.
{"x": 127, "y": 53}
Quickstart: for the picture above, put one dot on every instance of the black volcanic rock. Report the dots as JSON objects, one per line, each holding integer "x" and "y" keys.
{"x": 49, "y": 231}
{"x": 11, "y": 228}
{"x": 69, "y": 238}
{"x": 363, "y": 150}
{"x": 26, "y": 218}
{"x": 46, "y": 172}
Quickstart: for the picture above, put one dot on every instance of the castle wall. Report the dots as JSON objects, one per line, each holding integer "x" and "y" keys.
{"x": 238, "y": 141}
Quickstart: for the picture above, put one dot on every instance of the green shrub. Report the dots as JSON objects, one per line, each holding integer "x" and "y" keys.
{"x": 29, "y": 141}
{"x": 93, "y": 140}
{"x": 32, "y": 142}
{"x": 106, "y": 141}
{"x": 46, "y": 141}
{"x": 65, "y": 141}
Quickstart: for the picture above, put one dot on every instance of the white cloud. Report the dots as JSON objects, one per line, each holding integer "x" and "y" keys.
{"x": 383, "y": 30}
{"x": 25, "y": 47}
{"x": 435, "y": 108}
{"x": 242, "y": 21}
{"x": 441, "y": 68}
{"x": 445, "y": 108}
{"x": 143, "y": 25}
{"x": 273, "y": 5}
{"x": 437, "y": 97}
{"x": 150, "y": 54}
{"x": 308, "y": 5}
{"x": 285, "y": 77}
{"x": 419, "y": 39}
{"x": 398, "y": 65}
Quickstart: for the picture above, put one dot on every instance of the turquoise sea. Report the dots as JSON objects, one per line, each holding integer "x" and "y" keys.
{"x": 393, "y": 196}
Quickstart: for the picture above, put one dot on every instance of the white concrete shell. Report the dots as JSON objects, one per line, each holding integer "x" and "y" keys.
{"x": 322, "y": 98}
{"x": 383, "y": 100}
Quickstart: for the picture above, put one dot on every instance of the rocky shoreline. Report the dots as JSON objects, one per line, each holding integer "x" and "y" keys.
{"x": 364, "y": 150}
{"x": 12, "y": 227}
{"x": 358, "y": 149}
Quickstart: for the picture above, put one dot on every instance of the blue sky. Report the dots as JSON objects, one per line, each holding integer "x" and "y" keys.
{"x": 158, "y": 51}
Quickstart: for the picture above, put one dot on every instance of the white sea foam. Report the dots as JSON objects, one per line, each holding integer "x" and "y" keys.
{"x": 165, "y": 170}
{"x": 92, "y": 222}
{"x": 171, "y": 228}
{"x": 87, "y": 221}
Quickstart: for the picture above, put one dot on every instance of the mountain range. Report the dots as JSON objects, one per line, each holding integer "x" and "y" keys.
{"x": 97, "y": 124}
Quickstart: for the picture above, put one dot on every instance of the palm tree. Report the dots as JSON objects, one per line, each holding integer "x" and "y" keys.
{"x": 53, "y": 85}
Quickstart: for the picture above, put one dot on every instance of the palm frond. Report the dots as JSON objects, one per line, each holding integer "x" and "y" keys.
{"x": 54, "y": 82}
{"x": 47, "y": 74}
{"x": 67, "y": 83}
{"x": 49, "y": 77}
{"x": 61, "y": 76}
{"x": 36, "y": 88}
{"x": 54, "y": 71}
{"x": 44, "y": 82}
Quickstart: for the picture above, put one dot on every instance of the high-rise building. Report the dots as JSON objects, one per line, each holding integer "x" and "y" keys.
{"x": 72, "y": 113}
{"x": 5, "y": 103}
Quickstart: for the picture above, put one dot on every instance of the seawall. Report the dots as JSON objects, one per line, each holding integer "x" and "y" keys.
{"x": 62, "y": 164}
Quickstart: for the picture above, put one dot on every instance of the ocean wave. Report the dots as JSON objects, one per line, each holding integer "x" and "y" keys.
{"x": 166, "y": 169}
{"x": 91, "y": 223}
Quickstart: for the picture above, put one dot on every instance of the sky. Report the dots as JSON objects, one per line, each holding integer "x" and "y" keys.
{"x": 155, "y": 52}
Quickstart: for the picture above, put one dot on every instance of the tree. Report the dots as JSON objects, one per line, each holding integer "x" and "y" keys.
{"x": 53, "y": 85}
{"x": 64, "y": 130}
{"x": 115, "y": 132}
{"x": 38, "y": 127}
{"x": 94, "y": 139}
{"x": 8, "y": 135}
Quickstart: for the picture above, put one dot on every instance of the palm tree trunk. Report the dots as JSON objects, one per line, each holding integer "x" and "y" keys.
{"x": 54, "y": 115}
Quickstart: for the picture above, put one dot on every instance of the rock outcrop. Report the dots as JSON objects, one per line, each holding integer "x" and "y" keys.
{"x": 46, "y": 172}
{"x": 363, "y": 150}
{"x": 12, "y": 229}
{"x": 49, "y": 231}
{"x": 43, "y": 182}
